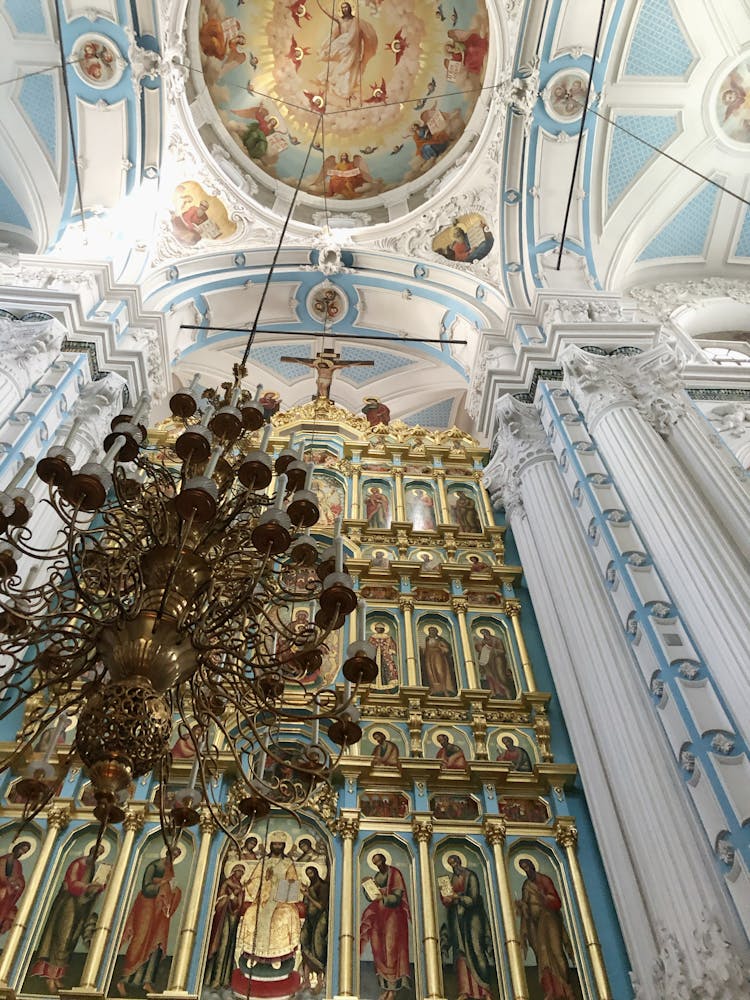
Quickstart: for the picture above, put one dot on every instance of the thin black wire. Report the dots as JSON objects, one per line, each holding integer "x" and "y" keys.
{"x": 579, "y": 143}
{"x": 327, "y": 333}
{"x": 680, "y": 163}
{"x": 277, "y": 251}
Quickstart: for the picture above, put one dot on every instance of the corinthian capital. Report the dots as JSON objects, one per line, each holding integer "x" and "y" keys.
{"x": 520, "y": 441}
{"x": 348, "y": 827}
{"x": 422, "y": 830}
{"x": 597, "y": 384}
{"x": 650, "y": 382}
{"x": 658, "y": 387}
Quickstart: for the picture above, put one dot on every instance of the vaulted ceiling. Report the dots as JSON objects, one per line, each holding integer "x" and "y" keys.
{"x": 191, "y": 121}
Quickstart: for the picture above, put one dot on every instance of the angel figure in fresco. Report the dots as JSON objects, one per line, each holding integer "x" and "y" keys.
{"x": 466, "y": 52}
{"x": 345, "y": 176}
{"x": 352, "y": 44}
{"x": 385, "y": 654}
{"x": 385, "y": 753}
{"x": 12, "y": 882}
{"x": 260, "y": 125}
{"x": 542, "y": 930}
{"x": 222, "y": 38}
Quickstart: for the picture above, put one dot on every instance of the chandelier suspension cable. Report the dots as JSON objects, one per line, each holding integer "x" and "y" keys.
{"x": 277, "y": 251}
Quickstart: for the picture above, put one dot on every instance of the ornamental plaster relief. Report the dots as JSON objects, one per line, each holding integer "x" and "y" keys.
{"x": 658, "y": 302}
{"x": 722, "y": 975}
{"x": 520, "y": 441}
{"x": 651, "y": 382}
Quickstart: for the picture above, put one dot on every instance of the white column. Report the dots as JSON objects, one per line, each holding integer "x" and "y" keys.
{"x": 659, "y": 868}
{"x": 27, "y": 351}
{"x": 716, "y": 474}
{"x": 622, "y": 400}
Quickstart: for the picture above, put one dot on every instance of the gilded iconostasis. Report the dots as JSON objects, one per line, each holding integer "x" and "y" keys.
{"x": 453, "y": 856}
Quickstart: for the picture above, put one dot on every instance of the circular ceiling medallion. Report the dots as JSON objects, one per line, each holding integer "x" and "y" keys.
{"x": 97, "y": 61}
{"x": 565, "y": 95}
{"x": 356, "y": 99}
{"x": 732, "y": 103}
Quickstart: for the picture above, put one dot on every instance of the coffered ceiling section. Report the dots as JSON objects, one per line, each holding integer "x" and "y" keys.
{"x": 678, "y": 81}
{"x": 113, "y": 121}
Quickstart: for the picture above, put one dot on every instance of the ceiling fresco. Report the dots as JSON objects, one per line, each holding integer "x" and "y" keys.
{"x": 378, "y": 94}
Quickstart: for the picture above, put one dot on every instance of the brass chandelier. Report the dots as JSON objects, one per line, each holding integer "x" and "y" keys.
{"x": 165, "y": 602}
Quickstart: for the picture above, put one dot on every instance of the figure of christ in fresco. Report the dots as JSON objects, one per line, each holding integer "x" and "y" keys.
{"x": 385, "y": 654}
{"x": 420, "y": 510}
{"x": 268, "y": 935}
{"x": 451, "y": 757}
{"x": 314, "y": 935}
{"x": 436, "y": 659}
{"x": 515, "y": 755}
{"x": 385, "y": 753}
{"x": 492, "y": 664}
{"x": 377, "y": 508}
{"x": 467, "y": 934}
{"x": 345, "y": 54}
{"x": 68, "y": 916}
{"x": 543, "y": 931}
{"x": 12, "y": 883}
{"x": 228, "y": 907}
{"x": 465, "y": 512}
{"x": 385, "y": 927}
{"x": 147, "y": 927}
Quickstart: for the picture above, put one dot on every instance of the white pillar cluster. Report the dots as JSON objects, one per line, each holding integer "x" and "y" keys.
{"x": 670, "y": 899}
{"x": 28, "y": 349}
{"x": 631, "y": 404}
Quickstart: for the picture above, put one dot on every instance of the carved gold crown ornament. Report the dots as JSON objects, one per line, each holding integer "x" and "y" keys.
{"x": 168, "y": 594}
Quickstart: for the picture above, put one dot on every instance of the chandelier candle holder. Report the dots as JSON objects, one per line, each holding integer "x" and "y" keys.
{"x": 165, "y": 603}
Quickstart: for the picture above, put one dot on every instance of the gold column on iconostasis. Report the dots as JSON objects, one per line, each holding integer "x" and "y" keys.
{"x": 566, "y": 835}
{"x": 494, "y": 831}
{"x": 398, "y": 483}
{"x": 348, "y": 830}
{"x": 479, "y": 476}
{"x": 442, "y": 495}
{"x": 178, "y": 974}
{"x": 132, "y": 824}
{"x": 421, "y": 828}
{"x": 355, "y": 473}
{"x": 460, "y": 605}
{"x": 406, "y": 604}
{"x": 58, "y": 818}
{"x": 513, "y": 611}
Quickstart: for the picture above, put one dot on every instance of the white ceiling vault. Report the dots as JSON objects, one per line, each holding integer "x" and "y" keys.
{"x": 180, "y": 228}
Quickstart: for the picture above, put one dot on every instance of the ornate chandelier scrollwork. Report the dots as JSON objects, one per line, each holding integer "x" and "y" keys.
{"x": 168, "y": 594}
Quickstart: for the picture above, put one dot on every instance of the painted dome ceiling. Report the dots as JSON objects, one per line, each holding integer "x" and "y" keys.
{"x": 356, "y": 100}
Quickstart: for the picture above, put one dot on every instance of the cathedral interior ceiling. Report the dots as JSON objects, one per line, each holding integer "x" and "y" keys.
{"x": 192, "y": 120}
